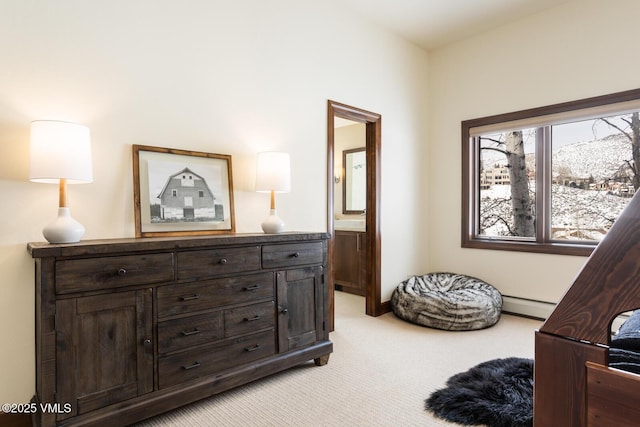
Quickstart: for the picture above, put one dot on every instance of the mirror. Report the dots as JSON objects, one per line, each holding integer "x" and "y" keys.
{"x": 354, "y": 183}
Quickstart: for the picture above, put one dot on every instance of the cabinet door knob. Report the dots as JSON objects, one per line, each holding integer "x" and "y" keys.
{"x": 296, "y": 255}
{"x": 147, "y": 341}
{"x": 223, "y": 261}
{"x": 122, "y": 272}
{"x": 284, "y": 310}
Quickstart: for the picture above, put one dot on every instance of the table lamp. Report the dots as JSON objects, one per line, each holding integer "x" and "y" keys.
{"x": 273, "y": 174}
{"x": 60, "y": 153}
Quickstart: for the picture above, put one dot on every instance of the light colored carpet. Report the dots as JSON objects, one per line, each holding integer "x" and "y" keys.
{"x": 381, "y": 371}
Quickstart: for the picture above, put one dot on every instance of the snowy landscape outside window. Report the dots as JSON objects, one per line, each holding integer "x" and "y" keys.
{"x": 552, "y": 179}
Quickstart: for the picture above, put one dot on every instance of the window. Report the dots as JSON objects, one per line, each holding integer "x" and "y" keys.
{"x": 550, "y": 179}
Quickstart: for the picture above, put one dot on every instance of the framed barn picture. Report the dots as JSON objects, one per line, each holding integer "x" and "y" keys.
{"x": 181, "y": 193}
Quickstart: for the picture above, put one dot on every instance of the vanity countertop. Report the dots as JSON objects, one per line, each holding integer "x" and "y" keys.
{"x": 358, "y": 225}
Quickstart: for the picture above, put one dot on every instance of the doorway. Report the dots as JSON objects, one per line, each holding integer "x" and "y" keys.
{"x": 372, "y": 242}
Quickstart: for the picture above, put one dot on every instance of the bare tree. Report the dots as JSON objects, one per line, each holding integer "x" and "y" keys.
{"x": 496, "y": 213}
{"x": 633, "y": 135}
{"x": 520, "y": 200}
{"x": 521, "y": 205}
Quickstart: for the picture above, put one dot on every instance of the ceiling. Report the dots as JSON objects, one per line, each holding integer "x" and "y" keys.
{"x": 435, "y": 23}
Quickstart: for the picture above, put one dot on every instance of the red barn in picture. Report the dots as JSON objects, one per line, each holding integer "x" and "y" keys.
{"x": 187, "y": 197}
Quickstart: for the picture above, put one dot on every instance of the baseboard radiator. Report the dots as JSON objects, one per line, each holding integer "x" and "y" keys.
{"x": 527, "y": 307}
{"x": 541, "y": 310}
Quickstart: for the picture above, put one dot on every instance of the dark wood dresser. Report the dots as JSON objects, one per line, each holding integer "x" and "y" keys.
{"x": 130, "y": 328}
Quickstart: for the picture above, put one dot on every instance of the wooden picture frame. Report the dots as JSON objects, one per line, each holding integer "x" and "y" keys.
{"x": 181, "y": 193}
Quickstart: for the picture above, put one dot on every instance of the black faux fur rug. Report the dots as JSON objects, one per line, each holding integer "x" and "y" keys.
{"x": 498, "y": 393}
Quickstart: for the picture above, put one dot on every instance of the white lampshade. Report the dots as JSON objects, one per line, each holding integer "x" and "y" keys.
{"x": 60, "y": 150}
{"x": 61, "y": 154}
{"x": 273, "y": 172}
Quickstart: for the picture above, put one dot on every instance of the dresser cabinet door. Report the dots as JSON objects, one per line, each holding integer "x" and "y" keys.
{"x": 104, "y": 349}
{"x": 300, "y": 307}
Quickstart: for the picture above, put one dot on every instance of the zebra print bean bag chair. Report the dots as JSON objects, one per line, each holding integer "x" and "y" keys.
{"x": 448, "y": 301}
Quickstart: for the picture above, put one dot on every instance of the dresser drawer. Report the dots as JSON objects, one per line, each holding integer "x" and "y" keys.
{"x": 216, "y": 262}
{"x": 215, "y": 358}
{"x": 276, "y": 256}
{"x": 190, "y": 297}
{"x": 188, "y": 331}
{"x": 249, "y": 319}
{"x": 112, "y": 272}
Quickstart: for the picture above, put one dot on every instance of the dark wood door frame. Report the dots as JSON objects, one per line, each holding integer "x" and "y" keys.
{"x": 373, "y": 126}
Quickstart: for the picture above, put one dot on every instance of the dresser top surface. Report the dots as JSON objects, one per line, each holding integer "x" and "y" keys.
{"x": 109, "y": 246}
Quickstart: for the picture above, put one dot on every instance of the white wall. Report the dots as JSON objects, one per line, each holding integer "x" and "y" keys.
{"x": 575, "y": 51}
{"x": 216, "y": 76}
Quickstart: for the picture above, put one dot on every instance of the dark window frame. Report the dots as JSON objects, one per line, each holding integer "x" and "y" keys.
{"x": 470, "y": 181}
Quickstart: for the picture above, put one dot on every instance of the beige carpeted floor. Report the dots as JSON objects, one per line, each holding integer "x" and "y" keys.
{"x": 380, "y": 373}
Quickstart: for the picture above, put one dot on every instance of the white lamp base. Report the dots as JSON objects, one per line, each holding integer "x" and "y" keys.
{"x": 273, "y": 224}
{"x": 64, "y": 229}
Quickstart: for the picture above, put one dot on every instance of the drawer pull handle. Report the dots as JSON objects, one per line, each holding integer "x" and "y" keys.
{"x": 251, "y": 288}
{"x": 194, "y": 365}
{"x": 252, "y": 319}
{"x": 193, "y": 332}
{"x": 122, "y": 272}
{"x": 223, "y": 261}
{"x": 190, "y": 297}
{"x": 254, "y": 348}
{"x": 296, "y": 255}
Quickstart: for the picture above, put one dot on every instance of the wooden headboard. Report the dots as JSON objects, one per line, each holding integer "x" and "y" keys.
{"x": 578, "y": 330}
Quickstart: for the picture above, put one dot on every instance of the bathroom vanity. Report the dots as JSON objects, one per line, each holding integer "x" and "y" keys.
{"x": 350, "y": 257}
